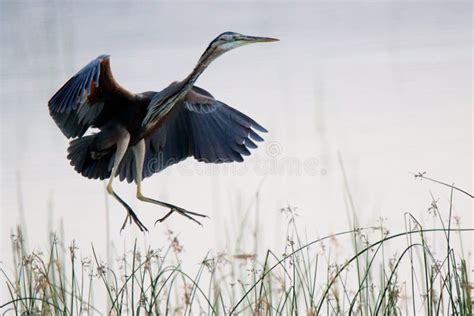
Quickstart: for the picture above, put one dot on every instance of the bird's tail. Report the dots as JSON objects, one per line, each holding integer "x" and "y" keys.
{"x": 91, "y": 164}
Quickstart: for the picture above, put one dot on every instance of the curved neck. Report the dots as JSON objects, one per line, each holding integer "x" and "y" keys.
{"x": 209, "y": 55}
{"x": 164, "y": 105}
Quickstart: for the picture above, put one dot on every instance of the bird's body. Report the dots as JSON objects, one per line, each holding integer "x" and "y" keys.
{"x": 140, "y": 134}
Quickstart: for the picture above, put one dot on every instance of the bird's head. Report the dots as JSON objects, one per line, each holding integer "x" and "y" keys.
{"x": 230, "y": 40}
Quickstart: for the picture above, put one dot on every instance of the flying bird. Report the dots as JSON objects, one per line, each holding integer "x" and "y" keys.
{"x": 140, "y": 134}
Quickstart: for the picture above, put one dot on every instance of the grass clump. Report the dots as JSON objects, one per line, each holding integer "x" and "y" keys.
{"x": 386, "y": 273}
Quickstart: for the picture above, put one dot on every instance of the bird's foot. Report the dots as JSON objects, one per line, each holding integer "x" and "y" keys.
{"x": 182, "y": 211}
{"x": 130, "y": 213}
{"x": 132, "y": 216}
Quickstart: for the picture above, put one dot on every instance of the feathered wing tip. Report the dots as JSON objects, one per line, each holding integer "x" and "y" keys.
{"x": 70, "y": 106}
{"x": 79, "y": 155}
{"x": 224, "y": 134}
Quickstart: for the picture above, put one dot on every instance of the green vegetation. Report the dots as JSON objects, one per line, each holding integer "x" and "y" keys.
{"x": 387, "y": 274}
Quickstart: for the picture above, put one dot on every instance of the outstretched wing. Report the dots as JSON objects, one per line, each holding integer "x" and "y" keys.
{"x": 202, "y": 127}
{"x": 84, "y": 97}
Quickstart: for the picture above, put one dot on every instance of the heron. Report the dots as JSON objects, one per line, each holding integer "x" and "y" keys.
{"x": 138, "y": 134}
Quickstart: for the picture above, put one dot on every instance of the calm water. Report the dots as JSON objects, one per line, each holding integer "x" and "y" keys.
{"x": 386, "y": 84}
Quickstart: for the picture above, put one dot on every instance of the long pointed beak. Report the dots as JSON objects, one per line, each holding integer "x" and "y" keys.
{"x": 256, "y": 39}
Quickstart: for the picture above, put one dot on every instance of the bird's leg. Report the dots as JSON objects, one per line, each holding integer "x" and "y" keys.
{"x": 122, "y": 145}
{"x": 139, "y": 154}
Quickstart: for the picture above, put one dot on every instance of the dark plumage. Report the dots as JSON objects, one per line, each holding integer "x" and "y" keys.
{"x": 141, "y": 134}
